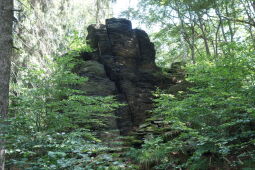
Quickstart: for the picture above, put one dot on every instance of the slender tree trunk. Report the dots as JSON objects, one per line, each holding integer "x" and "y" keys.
{"x": 6, "y": 18}
{"x": 229, "y": 25}
{"x": 221, "y": 26}
{"x": 216, "y": 40}
{"x": 186, "y": 36}
{"x": 250, "y": 15}
{"x": 253, "y": 5}
{"x": 201, "y": 26}
{"x": 97, "y": 11}
{"x": 192, "y": 44}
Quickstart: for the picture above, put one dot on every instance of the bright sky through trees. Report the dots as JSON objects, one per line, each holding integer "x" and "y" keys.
{"x": 122, "y": 5}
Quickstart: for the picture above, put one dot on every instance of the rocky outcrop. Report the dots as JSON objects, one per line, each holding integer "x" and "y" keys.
{"x": 123, "y": 64}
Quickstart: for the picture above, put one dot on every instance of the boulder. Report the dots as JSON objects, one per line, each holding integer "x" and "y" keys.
{"x": 123, "y": 64}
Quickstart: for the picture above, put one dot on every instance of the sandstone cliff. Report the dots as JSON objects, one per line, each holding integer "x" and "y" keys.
{"x": 123, "y": 65}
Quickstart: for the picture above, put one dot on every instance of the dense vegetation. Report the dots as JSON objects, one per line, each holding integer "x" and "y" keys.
{"x": 52, "y": 124}
{"x": 211, "y": 124}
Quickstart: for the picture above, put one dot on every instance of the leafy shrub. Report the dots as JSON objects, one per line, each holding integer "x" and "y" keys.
{"x": 214, "y": 121}
{"x": 52, "y": 123}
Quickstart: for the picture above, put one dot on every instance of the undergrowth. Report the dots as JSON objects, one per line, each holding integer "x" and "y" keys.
{"x": 52, "y": 124}
{"x": 211, "y": 124}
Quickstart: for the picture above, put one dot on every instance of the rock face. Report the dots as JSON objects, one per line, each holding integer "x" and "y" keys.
{"x": 122, "y": 65}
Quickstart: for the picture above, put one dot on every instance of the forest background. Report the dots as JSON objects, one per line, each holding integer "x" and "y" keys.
{"x": 212, "y": 123}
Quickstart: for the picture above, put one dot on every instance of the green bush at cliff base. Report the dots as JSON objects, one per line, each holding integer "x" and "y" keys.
{"x": 51, "y": 123}
{"x": 214, "y": 120}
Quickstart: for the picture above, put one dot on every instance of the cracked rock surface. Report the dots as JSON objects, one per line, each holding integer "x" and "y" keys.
{"x": 122, "y": 65}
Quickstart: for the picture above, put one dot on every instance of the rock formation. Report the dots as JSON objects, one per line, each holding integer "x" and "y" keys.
{"x": 123, "y": 65}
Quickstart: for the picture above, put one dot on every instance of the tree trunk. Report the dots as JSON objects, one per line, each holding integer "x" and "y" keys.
{"x": 204, "y": 36}
{"x": 6, "y": 18}
{"x": 97, "y": 11}
{"x": 216, "y": 40}
{"x": 229, "y": 25}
